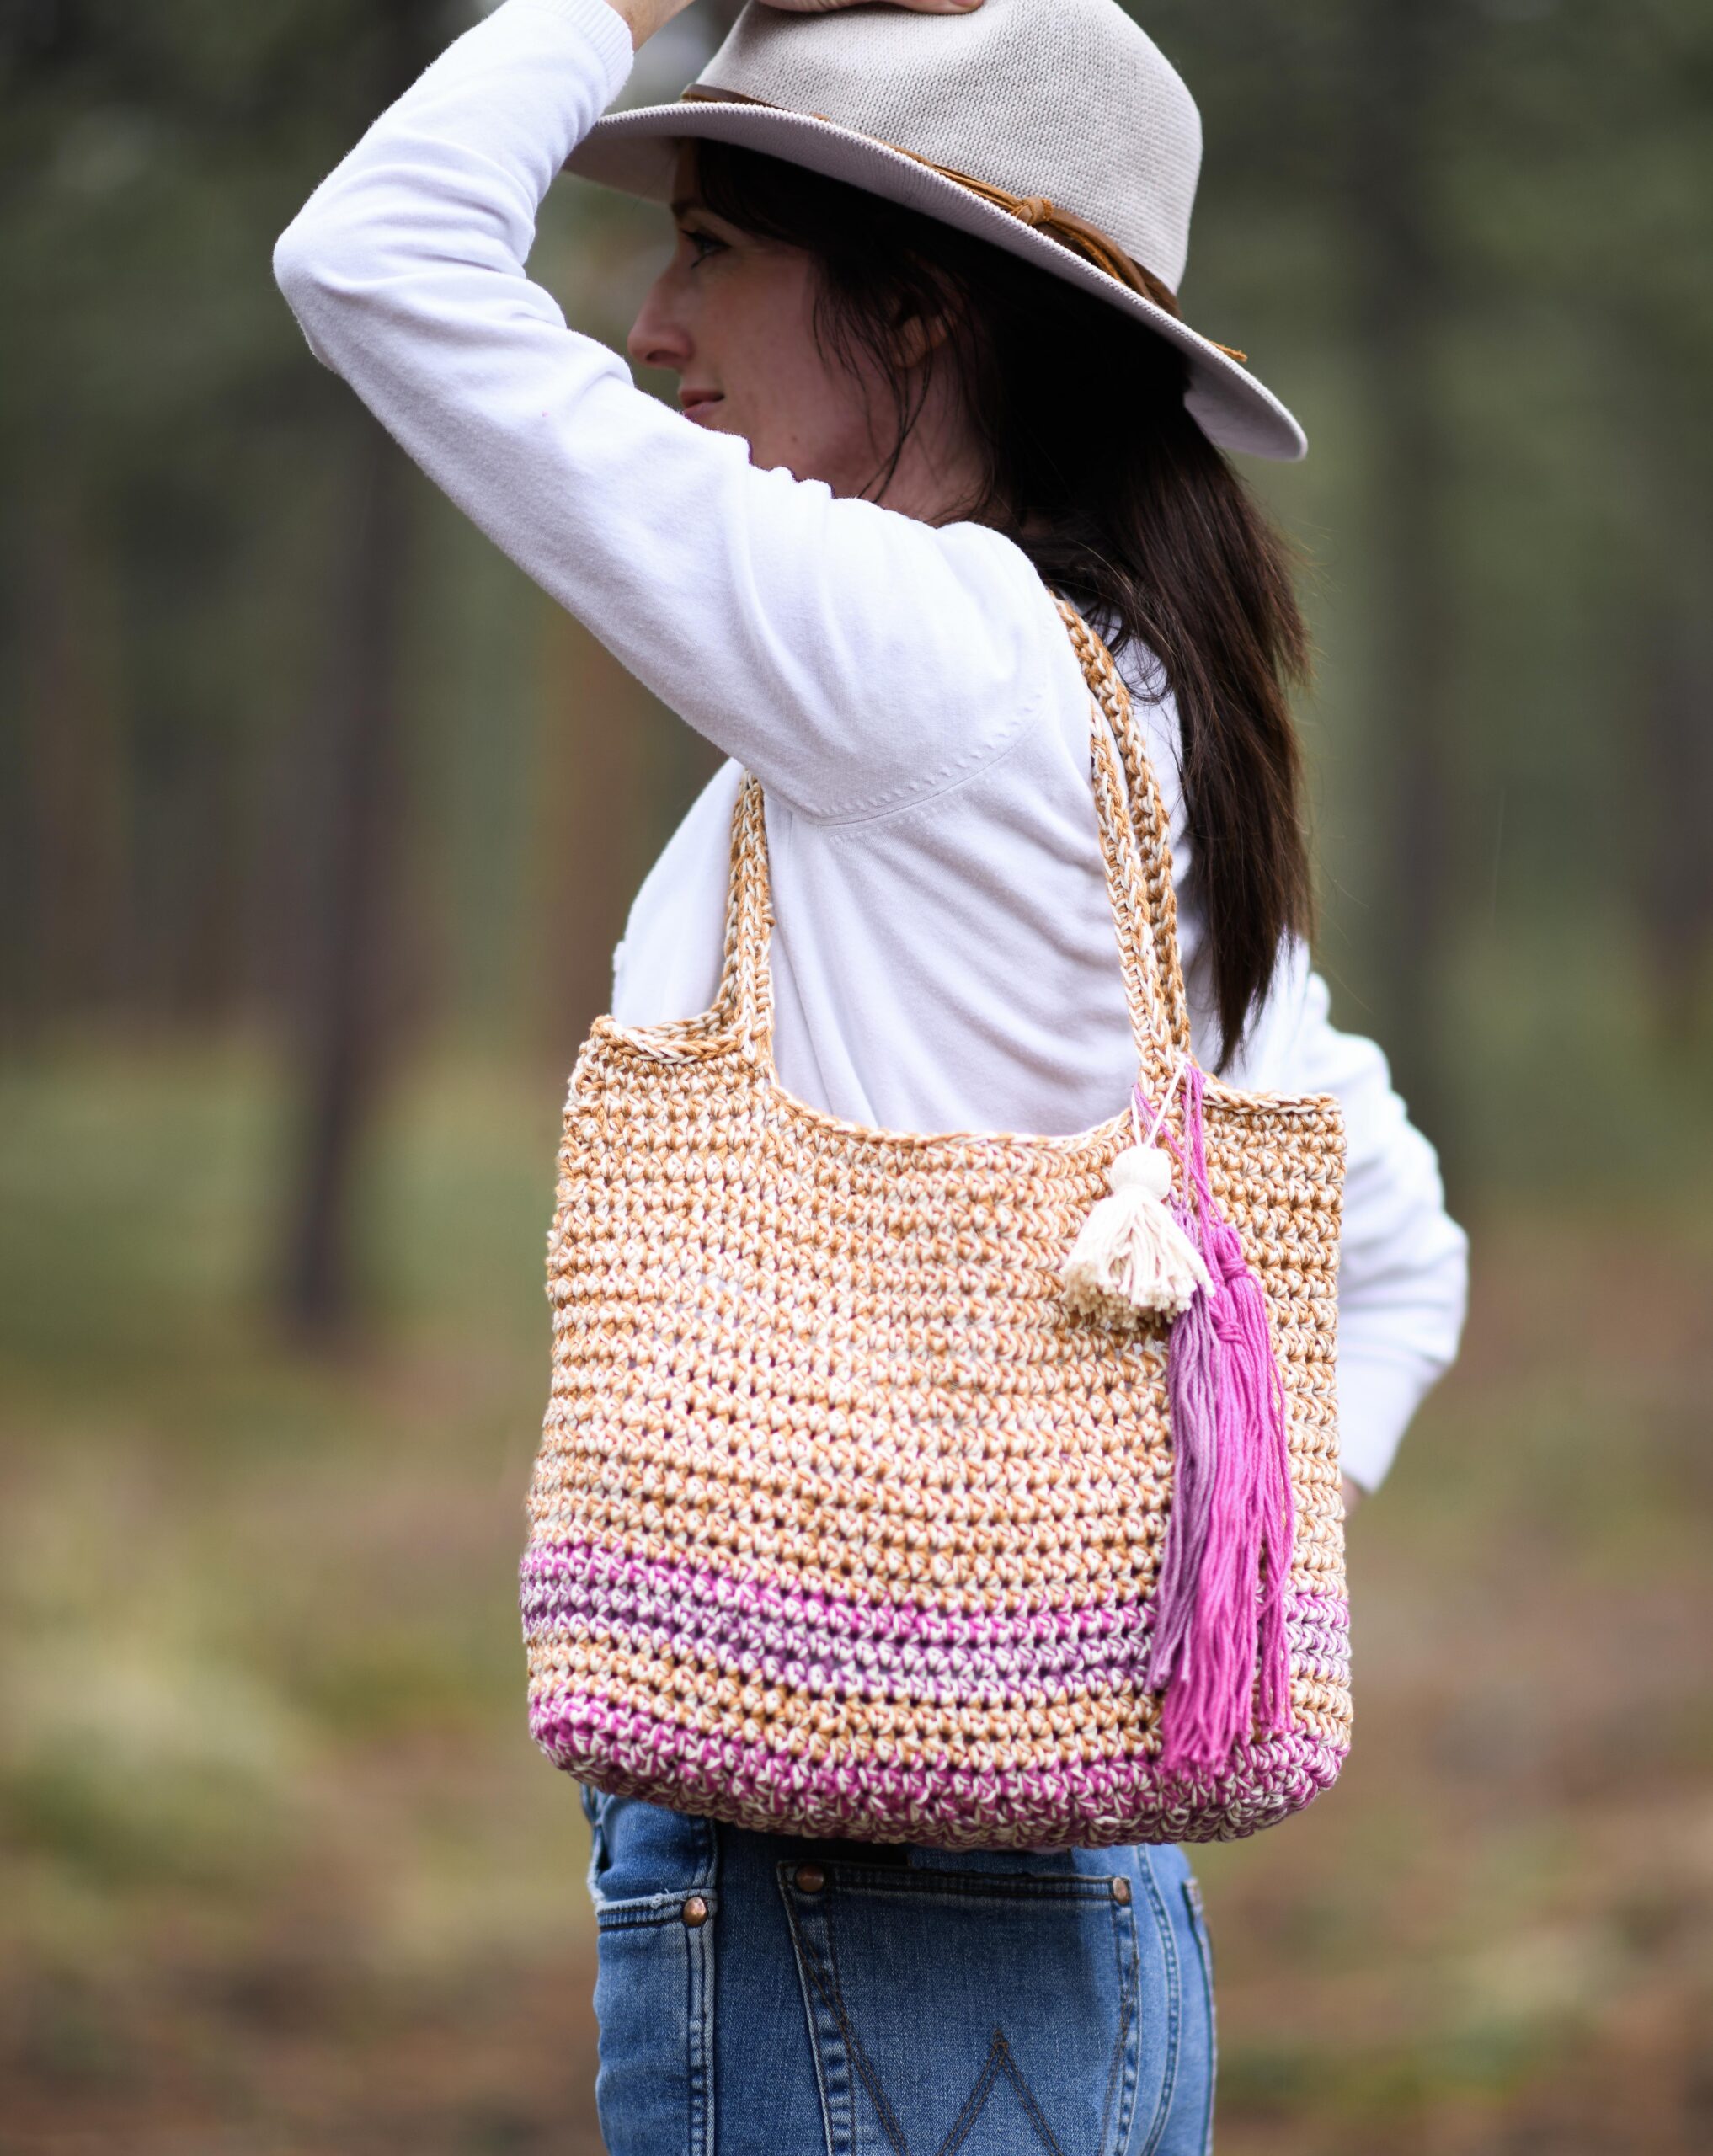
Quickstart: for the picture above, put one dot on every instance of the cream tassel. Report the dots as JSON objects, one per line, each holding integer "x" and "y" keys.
{"x": 1131, "y": 1259}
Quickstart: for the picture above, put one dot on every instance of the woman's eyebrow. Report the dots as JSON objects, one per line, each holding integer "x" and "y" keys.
{"x": 680, "y": 206}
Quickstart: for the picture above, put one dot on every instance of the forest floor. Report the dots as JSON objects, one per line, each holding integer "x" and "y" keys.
{"x": 280, "y": 1873}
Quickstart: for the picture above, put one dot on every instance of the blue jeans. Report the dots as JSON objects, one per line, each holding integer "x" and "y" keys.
{"x": 760, "y": 1996}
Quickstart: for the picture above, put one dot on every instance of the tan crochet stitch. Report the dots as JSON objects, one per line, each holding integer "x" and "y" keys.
{"x": 842, "y": 1524}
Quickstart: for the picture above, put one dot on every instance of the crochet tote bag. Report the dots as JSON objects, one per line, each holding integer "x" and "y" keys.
{"x": 856, "y": 1516}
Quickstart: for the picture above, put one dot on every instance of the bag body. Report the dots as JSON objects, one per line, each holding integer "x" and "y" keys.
{"x": 844, "y": 1524}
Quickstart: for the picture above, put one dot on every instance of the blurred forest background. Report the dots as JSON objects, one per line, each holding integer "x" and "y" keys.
{"x": 310, "y": 871}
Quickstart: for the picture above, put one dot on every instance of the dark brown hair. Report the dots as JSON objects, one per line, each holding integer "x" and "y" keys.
{"x": 1098, "y": 473}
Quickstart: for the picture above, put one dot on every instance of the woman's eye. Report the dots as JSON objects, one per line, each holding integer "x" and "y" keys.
{"x": 701, "y": 244}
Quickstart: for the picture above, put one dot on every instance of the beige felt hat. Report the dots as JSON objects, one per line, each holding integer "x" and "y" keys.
{"x": 1054, "y": 128}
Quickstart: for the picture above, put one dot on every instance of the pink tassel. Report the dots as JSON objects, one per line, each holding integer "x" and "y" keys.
{"x": 1191, "y": 1381}
{"x": 1220, "y": 1652}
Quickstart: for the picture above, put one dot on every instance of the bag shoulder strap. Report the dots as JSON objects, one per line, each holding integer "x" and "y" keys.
{"x": 1156, "y": 921}
{"x": 744, "y": 1004}
{"x": 1135, "y": 850}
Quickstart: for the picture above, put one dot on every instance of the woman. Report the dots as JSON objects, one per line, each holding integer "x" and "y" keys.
{"x": 930, "y": 364}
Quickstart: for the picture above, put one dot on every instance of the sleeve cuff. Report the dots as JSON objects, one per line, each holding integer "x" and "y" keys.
{"x": 605, "y": 29}
{"x": 1377, "y": 1397}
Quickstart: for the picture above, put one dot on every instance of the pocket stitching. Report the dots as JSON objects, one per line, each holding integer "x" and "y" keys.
{"x": 1130, "y": 1977}
{"x": 1174, "y": 1994}
{"x": 875, "y": 1882}
{"x": 865, "y": 2066}
{"x": 825, "y": 1983}
{"x": 642, "y": 1910}
{"x": 809, "y": 1988}
{"x": 968, "y": 1886}
{"x": 1001, "y": 2059}
{"x": 1204, "y": 1947}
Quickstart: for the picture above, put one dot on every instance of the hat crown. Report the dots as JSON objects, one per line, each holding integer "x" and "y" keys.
{"x": 1065, "y": 99}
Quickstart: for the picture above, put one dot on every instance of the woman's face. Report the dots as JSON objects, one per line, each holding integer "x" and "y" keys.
{"x": 733, "y": 317}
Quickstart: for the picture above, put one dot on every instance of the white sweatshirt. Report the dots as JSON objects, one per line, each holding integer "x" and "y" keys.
{"x": 944, "y": 957}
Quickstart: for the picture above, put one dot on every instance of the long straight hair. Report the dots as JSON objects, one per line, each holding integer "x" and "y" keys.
{"x": 1095, "y": 469}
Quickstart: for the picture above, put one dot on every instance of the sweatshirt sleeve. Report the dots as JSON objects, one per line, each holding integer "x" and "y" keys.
{"x": 857, "y": 660}
{"x": 1403, "y": 1262}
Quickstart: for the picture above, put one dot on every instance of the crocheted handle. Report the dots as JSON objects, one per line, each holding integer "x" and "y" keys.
{"x": 1157, "y": 1053}
{"x": 1135, "y": 843}
{"x": 1134, "y": 846}
{"x": 744, "y": 1004}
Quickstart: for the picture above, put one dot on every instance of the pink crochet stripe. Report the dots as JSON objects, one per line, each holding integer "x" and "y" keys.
{"x": 627, "y": 1751}
{"x": 855, "y": 1617}
{"x": 828, "y": 1646}
{"x": 869, "y": 1611}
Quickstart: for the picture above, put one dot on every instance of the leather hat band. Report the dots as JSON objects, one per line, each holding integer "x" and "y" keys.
{"x": 1070, "y": 232}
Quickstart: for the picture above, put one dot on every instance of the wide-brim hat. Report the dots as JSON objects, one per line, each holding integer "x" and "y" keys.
{"x": 1055, "y": 129}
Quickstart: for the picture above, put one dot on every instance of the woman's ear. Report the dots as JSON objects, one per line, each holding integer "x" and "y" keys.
{"x": 924, "y": 322}
{"x": 920, "y": 334}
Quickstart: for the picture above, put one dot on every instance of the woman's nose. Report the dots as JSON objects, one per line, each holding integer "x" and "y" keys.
{"x": 658, "y": 338}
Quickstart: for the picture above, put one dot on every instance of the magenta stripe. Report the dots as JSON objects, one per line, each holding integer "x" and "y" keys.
{"x": 827, "y": 1646}
{"x": 873, "y": 1798}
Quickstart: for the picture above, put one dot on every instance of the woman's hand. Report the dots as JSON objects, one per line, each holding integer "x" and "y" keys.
{"x": 645, "y": 17}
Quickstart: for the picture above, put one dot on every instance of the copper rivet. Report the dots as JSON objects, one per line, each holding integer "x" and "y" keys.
{"x": 811, "y": 1878}
{"x": 1121, "y": 1892}
{"x": 694, "y": 1911}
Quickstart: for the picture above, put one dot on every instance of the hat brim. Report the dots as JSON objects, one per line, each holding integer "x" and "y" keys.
{"x": 636, "y": 152}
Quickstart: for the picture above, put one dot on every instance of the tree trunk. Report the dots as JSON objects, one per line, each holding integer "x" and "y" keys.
{"x": 77, "y": 874}
{"x": 1402, "y": 300}
{"x": 349, "y": 891}
{"x": 350, "y": 951}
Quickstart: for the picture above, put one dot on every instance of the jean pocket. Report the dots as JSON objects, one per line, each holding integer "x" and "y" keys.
{"x": 654, "y": 1887}
{"x": 1201, "y": 2015}
{"x": 988, "y": 2013}
{"x": 643, "y": 1852}
{"x": 594, "y": 1810}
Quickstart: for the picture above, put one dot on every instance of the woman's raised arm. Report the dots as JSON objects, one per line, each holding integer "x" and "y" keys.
{"x": 854, "y": 659}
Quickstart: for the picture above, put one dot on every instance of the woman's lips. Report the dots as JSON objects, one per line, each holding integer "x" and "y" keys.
{"x": 697, "y": 403}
